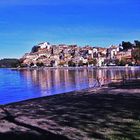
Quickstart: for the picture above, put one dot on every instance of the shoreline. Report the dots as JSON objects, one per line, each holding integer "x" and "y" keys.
{"x": 101, "y": 113}
{"x": 93, "y": 89}
{"x": 100, "y": 79}
{"x": 51, "y": 96}
{"x": 73, "y": 68}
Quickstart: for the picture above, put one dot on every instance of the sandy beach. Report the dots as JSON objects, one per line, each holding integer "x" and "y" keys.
{"x": 109, "y": 112}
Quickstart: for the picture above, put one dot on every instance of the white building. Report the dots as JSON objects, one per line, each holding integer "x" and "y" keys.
{"x": 44, "y": 45}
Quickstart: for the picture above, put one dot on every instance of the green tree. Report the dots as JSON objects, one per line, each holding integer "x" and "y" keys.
{"x": 71, "y": 64}
{"x": 80, "y": 63}
{"x": 123, "y": 62}
{"x": 9, "y": 63}
{"x": 127, "y": 45}
{"x": 32, "y": 64}
{"x": 136, "y": 54}
{"x": 137, "y": 44}
{"x": 92, "y": 61}
{"x": 35, "y": 49}
{"x": 40, "y": 64}
{"x": 62, "y": 63}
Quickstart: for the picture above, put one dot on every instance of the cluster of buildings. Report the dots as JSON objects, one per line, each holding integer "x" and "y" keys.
{"x": 73, "y": 55}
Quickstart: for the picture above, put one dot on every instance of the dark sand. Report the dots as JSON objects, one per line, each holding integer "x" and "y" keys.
{"x": 111, "y": 112}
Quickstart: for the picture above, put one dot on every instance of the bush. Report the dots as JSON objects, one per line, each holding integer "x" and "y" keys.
{"x": 32, "y": 64}
{"x": 123, "y": 62}
{"x": 92, "y": 61}
{"x": 40, "y": 64}
{"x": 62, "y": 63}
{"x": 71, "y": 64}
{"x": 80, "y": 63}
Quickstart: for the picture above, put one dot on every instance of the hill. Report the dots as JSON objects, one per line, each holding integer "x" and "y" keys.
{"x": 9, "y": 63}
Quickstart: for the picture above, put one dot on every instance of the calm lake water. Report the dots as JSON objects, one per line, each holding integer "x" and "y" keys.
{"x": 27, "y": 84}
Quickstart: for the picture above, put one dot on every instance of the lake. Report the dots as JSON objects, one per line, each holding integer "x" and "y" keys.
{"x": 19, "y": 85}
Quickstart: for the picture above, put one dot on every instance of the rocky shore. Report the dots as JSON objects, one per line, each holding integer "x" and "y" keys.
{"x": 110, "y": 112}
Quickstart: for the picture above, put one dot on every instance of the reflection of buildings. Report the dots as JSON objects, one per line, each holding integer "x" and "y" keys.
{"x": 52, "y": 80}
{"x": 91, "y": 77}
{"x": 107, "y": 75}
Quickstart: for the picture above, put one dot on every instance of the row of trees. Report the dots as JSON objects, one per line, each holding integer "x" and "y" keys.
{"x": 135, "y": 50}
{"x": 14, "y": 63}
{"x": 9, "y": 63}
{"x": 129, "y": 45}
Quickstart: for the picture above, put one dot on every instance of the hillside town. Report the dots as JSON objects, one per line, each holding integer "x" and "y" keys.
{"x": 45, "y": 54}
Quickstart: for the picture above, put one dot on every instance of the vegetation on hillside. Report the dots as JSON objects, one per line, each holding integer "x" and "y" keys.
{"x": 9, "y": 63}
{"x": 135, "y": 50}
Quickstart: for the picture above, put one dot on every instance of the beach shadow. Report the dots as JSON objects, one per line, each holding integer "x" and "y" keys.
{"x": 128, "y": 84}
{"x": 81, "y": 116}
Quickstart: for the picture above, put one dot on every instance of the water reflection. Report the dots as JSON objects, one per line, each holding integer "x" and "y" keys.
{"x": 26, "y": 84}
{"x": 57, "y": 80}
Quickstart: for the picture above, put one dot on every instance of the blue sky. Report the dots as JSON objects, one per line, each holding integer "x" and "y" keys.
{"x": 25, "y": 23}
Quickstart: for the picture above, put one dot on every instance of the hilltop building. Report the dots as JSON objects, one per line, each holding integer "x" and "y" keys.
{"x": 73, "y": 55}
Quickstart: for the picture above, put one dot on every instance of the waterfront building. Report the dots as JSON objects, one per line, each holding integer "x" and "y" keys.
{"x": 63, "y": 55}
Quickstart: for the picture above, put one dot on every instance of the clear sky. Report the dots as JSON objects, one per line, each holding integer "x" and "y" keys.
{"x": 25, "y": 23}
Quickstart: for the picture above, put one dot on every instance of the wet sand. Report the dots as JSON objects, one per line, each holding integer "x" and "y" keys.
{"x": 110, "y": 112}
